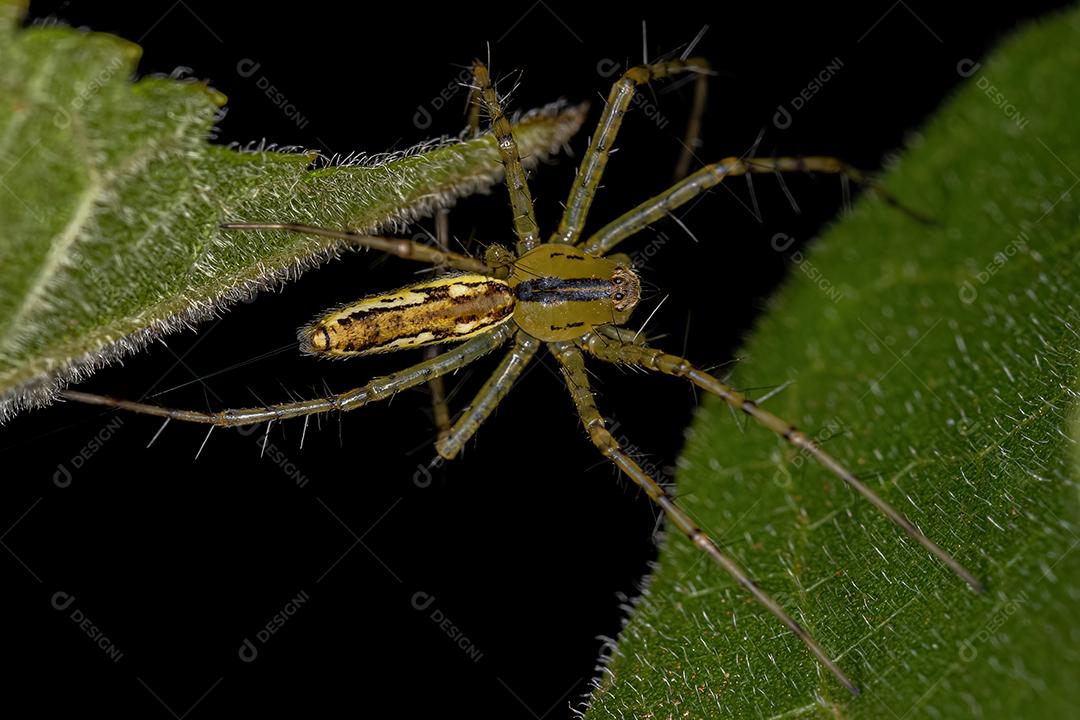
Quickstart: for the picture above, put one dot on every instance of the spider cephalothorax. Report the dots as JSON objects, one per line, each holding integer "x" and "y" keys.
{"x": 563, "y": 292}
{"x": 569, "y": 294}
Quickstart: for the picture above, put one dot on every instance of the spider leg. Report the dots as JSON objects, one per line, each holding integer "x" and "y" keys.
{"x": 692, "y": 138}
{"x": 378, "y": 389}
{"x": 710, "y": 176}
{"x": 520, "y": 199}
{"x": 489, "y": 396}
{"x": 606, "y": 346}
{"x": 572, "y": 363}
{"x": 437, "y": 386}
{"x": 474, "y": 104}
{"x": 399, "y": 247}
{"x": 596, "y": 157}
{"x": 440, "y": 411}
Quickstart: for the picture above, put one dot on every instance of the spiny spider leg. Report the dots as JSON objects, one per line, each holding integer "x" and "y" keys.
{"x": 399, "y": 247}
{"x": 607, "y": 345}
{"x": 378, "y": 389}
{"x": 449, "y": 443}
{"x": 516, "y": 183}
{"x": 489, "y": 396}
{"x": 712, "y": 175}
{"x": 572, "y": 363}
{"x": 596, "y": 157}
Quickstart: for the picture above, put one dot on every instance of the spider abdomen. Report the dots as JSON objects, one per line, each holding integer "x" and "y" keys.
{"x": 448, "y": 309}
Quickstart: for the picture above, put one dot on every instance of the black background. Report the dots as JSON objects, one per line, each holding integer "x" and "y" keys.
{"x": 529, "y": 544}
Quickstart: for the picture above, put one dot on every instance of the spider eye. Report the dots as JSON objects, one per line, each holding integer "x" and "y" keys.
{"x": 618, "y": 281}
{"x": 619, "y": 297}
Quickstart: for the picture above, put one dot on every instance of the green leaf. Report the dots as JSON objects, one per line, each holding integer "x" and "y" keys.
{"x": 111, "y": 198}
{"x": 940, "y": 363}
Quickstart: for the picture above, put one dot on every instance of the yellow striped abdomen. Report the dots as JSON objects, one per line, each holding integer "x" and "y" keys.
{"x": 448, "y": 309}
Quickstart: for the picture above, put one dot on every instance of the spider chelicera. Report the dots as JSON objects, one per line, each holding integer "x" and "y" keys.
{"x": 569, "y": 294}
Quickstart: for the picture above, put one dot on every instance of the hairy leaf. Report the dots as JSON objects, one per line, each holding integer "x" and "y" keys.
{"x": 111, "y": 198}
{"x": 940, "y": 363}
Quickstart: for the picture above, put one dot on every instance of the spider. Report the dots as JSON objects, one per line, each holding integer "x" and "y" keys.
{"x": 571, "y": 294}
